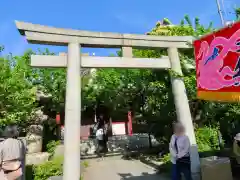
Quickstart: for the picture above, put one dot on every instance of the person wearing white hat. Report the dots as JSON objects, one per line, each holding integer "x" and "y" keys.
{"x": 236, "y": 147}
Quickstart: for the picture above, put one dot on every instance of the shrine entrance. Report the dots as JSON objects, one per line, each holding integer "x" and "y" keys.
{"x": 74, "y": 61}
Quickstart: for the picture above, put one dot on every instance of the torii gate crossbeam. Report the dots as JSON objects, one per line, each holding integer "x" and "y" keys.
{"x": 75, "y": 39}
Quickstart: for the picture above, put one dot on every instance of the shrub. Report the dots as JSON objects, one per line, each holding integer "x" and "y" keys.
{"x": 166, "y": 166}
{"x": 166, "y": 158}
{"x": 51, "y": 147}
{"x": 207, "y": 139}
{"x": 85, "y": 164}
{"x": 51, "y": 168}
{"x": 48, "y": 169}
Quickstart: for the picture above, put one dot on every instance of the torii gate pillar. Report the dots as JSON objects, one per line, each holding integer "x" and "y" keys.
{"x": 182, "y": 107}
{"x": 71, "y": 167}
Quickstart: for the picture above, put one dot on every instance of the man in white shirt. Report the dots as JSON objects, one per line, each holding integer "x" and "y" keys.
{"x": 183, "y": 145}
{"x": 180, "y": 153}
{"x": 99, "y": 134}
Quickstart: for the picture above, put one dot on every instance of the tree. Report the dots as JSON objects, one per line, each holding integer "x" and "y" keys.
{"x": 148, "y": 92}
{"x": 1, "y": 48}
{"x": 237, "y": 11}
{"x": 19, "y": 84}
{"x": 17, "y": 95}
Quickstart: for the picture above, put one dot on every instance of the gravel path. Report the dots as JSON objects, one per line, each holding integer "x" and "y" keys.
{"x": 115, "y": 168}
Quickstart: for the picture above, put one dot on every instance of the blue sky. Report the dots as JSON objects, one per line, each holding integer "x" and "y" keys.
{"x": 125, "y": 16}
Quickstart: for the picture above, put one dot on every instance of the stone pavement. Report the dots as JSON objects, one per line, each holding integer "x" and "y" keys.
{"x": 115, "y": 168}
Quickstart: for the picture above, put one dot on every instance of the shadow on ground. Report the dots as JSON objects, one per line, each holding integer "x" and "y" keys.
{"x": 94, "y": 156}
{"x": 144, "y": 176}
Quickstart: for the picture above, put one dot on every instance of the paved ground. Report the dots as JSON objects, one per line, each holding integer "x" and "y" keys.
{"x": 115, "y": 168}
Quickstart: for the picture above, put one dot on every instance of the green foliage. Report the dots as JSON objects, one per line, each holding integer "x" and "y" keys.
{"x": 85, "y": 164}
{"x": 175, "y": 74}
{"x": 1, "y": 48}
{"x": 207, "y": 139}
{"x": 166, "y": 21}
{"x": 19, "y": 84}
{"x": 51, "y": 81}
{"x": 166, "y": 158}
{"x": 53, "y": 167}
{"x": 237, "y": 10}
{"x": 186, "y": 28}
{"x": 17, "y": 95}
{"x": 51, "y": 146}
{"x": 48, "y": 169}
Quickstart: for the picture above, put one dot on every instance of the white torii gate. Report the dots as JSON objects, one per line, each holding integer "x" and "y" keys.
{"x": 75, "y": 39}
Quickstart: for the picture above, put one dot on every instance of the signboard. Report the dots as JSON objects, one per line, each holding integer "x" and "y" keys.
{"x": 118, "y": 128}
{"x": 218, "y": 65}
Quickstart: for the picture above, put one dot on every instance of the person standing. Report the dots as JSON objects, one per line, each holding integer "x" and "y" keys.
{"x": 236, "y": 148}
{"x": 11, "y": 155}
{"x": 107, "y": 132}
{"x": 235, "y": 160}
{"x": 101, "y": 119}
{"x": 101, "y": 141}
{"x": 173, "y": 156}
{"x": 180, "y": 153}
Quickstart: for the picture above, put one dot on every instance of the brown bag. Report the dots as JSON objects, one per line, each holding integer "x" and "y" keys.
{"x": 12, "y": 169}
{"x": 11, "y": 165}
{"x": 14, "y": 175}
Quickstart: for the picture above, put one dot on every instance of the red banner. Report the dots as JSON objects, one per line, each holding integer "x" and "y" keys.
{"x": 218, "y": 65}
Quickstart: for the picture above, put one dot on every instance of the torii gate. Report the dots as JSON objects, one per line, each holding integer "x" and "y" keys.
{"x": 75, "y": 39}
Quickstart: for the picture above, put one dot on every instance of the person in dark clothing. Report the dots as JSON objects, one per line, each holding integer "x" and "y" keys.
{"x": 101, "y": 119}
{"x": 235, "y": 159}
{"x": 236, "y": 148}
{"x": 101, "y": 140}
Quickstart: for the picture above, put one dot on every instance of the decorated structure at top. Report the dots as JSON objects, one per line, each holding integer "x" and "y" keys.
{"x": 218, "y": 65}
